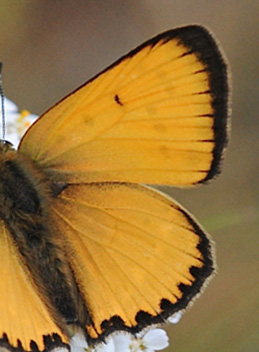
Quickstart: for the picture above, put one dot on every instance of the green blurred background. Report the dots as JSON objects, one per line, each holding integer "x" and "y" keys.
{"x": 50, "y": 47}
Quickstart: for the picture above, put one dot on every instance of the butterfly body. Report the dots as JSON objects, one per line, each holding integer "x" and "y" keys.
{"x": 84, "y": 244}
{"x": 26, "y": 192}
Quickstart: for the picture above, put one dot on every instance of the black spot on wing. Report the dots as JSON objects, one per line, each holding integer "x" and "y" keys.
{"x": 54, "y": 341}
{"x": 117, "y": 99}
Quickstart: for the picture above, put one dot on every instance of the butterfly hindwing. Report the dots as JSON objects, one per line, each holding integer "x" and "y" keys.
{"x": 156, "y": 116}
{"x": 135, "y": 253}
{"x": 27, "y": 318}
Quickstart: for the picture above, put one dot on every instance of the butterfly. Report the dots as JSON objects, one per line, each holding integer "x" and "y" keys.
{"x": 86, "y": 244}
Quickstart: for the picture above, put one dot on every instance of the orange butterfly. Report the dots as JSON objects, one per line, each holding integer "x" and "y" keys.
{"x": 84, "y": 245}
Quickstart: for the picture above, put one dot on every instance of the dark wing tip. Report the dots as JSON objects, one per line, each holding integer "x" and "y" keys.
{"x": 200, "y": 41}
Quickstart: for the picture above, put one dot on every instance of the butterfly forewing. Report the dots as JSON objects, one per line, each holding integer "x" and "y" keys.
{"x": 156, "y": 116}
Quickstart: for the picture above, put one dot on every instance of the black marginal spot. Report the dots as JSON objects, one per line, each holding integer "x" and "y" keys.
{"x": 143, "y": 317}
{"x": 106, "y": 324}
{"x": 115, "y": 323}
{"x": 34, "y": 346}
{"x": 4, "y": 338}
{"x": 47, "y": 340}
{"x": 19, "y": 345}
{"x": 117, "y": 99}
{"x": 166, "y": 305}
{"x": 53, "y": 341}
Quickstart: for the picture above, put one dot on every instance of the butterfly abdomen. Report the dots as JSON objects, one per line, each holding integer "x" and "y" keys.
{"x": 25, "y": 193}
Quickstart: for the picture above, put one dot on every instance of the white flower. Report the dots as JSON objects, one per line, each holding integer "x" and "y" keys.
{"x": 153, "y": 340}
{"x": 106, "y": 347}
{"x": 10, "y": 107}
{"x": 60, "y": 349}
{"x": 122, "y": 342}
{"x": 78, "y": 344}
{"x": 16, "y": 123}
{"x": 174, "y": 319}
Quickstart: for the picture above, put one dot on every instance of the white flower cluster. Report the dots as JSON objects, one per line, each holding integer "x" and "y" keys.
{"x": 151, "y": 340}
